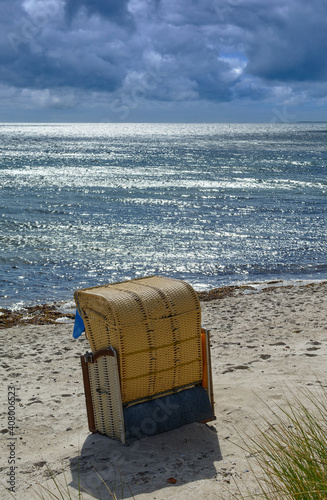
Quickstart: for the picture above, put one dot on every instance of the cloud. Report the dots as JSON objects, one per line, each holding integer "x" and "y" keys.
{"x": 64, "y": 99}
{"x": 293, "y": 42}
{"x": 114, "y": 10}
{"x": 59, "y": 52}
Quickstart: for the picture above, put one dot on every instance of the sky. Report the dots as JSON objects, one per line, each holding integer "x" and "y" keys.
{"x": 163, "y": 60}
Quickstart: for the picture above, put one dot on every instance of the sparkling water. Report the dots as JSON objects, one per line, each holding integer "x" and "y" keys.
{"x": 214, "y": 204}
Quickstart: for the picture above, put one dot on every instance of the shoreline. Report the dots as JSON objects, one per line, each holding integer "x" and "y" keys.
{"x": 56, "y": 313}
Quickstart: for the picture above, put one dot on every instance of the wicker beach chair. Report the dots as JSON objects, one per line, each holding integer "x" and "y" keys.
{"x": 149, "y": 370}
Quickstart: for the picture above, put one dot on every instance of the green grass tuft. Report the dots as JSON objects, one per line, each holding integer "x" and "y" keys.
{"x": 292, "y": 450}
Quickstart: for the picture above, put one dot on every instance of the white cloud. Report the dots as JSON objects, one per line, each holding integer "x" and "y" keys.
{"x": 53, "y": 99}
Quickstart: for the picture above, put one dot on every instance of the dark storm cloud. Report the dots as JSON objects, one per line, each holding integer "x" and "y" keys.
{"x": 40, "y": 51}
{"x": 165, "y": 50}
{"x": 282, "y": 40}
{"x": 287, "y": 43}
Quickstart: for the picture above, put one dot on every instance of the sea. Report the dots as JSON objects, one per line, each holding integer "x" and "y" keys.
{"x": 212, "y": 204}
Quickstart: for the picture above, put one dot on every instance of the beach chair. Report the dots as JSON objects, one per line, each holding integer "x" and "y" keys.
{"x": 149, "y": 370}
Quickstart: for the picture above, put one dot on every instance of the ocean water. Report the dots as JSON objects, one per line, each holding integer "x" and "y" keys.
{"x": 214, "y": 204}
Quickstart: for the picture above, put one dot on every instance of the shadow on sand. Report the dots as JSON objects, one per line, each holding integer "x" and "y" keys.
{"x": 186, "y": 454}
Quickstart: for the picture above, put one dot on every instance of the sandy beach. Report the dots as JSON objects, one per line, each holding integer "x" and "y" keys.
{"x": 262, "y": 345}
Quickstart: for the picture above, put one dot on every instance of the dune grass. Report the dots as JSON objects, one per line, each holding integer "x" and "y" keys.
{"x": 291, "y": 451}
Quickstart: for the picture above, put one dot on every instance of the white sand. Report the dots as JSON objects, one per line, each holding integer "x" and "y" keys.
{"x": 261, "y": 344}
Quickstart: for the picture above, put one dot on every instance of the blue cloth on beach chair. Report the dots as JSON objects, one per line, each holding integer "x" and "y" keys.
{"x": 79, "y": 327}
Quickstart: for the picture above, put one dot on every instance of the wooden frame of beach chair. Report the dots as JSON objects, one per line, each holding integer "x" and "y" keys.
{"x": 148, "y": 350}
{"x": 102, "y": 393}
